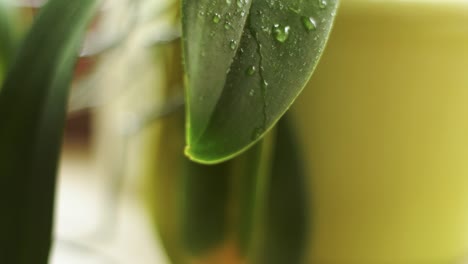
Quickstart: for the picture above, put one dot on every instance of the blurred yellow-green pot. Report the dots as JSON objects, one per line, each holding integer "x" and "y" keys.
{"x": 383, "y": 122}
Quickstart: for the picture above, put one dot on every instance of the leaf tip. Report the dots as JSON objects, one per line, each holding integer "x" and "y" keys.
{"x": 200, "y": 158}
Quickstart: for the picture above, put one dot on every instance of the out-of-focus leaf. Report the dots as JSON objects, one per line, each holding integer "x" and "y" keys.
{"x": 286, "y": 221}
{"x": 32, "y": 113}
{"x": 7, "y": 36}
{"x": 213, "y": 195}
{"x": 246, "y": 61}
{"x": 204, "y": 207}
{"x": 216, "y": 205}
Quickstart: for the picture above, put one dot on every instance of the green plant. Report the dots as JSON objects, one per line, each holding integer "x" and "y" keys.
{"x": 7, "y": 45}
{"x": 245, "y": 63}
{"x": 33, "y": 108}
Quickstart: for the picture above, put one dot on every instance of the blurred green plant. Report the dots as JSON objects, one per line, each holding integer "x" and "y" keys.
{"x": 245, "y": 63}
{"x": 32, "y": 109}
{"x": 7, "y": 35}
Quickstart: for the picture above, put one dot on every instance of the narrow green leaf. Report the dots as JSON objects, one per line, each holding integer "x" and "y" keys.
{"x": 287, "y": 221}
{"x": 32, "y": 113}
{"x": 204, "y": 207}
{"x": 246, "y": 61}
{"x": 213, "y": 195}
{"x": 7, "y": 35}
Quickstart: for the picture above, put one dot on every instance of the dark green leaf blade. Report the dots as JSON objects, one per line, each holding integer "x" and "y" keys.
{"x": 32, "y": 113}
{"x": 204, "y": 211}
{"x": 287, "y": 220}
{"x": 246, "y": 62}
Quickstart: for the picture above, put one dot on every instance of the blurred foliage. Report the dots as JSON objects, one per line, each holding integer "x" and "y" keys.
{"x": 236, "y": 211}
{"x": 32, "y": 109}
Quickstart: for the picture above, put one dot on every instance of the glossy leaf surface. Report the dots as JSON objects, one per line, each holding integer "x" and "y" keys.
{"x": 32, "y": 113}
{"x": 246, "y": 61}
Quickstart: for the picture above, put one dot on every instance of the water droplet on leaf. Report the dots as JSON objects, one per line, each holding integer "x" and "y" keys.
{"x": 322, "y": 4}
{"x": 233, "y": 44}
{"x": 295, "y": 10}
{"x": 309, "y": 23}
{"x": 251, "y": 70}
{"x": 216, "y": 18}
{"x": 281, "y": 33}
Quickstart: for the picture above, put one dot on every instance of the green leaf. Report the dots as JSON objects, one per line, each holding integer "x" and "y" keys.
{"x": 287, "y": 221}
{"x": 7, "y": 35}
{"x": 212, "y": 193}
{"x": 246, "y": 61}
{"x": 32, "y": 113}
{"x": 212, "y": 201}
